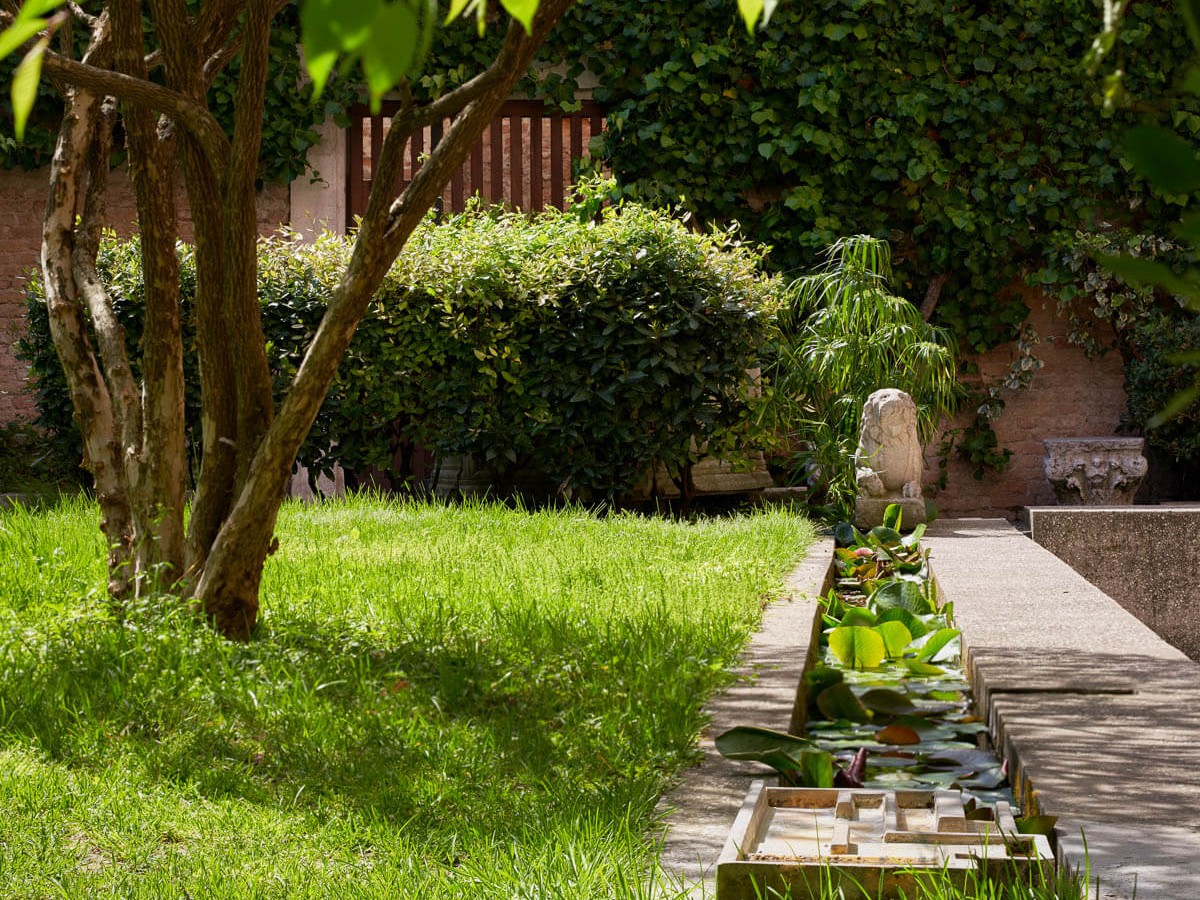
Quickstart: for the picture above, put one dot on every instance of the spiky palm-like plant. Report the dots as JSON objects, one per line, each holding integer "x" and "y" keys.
{"x": 842, "y": 336}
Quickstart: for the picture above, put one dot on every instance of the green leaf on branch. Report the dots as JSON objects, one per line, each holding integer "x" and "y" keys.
{"x": 1190, "y": 9}
{"x": 19, "y": 32}
{"x": 390, "y": 50}
{"x": 522, "y": 10}
{"x": 751, "y": 10}
{"x": 25, "y": 85}
{"x": 1176, "y": 406}
{"x": 1163, "y": 157}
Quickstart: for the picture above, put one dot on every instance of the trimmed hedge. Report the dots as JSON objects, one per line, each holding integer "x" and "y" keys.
{"x": 584, "y": 349}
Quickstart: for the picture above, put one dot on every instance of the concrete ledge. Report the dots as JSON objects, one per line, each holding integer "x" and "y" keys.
{"x": 1146, "y": 558}
{"x": 1099, "y": 717}
{"x": 699, "y": 812}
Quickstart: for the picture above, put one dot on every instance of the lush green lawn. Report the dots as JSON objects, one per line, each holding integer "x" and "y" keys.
{"x": 443, "y": 702}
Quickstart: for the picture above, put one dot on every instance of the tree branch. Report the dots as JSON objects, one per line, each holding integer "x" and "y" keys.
{"x": 194, "y": 117}
{"x": 933, "y": 294}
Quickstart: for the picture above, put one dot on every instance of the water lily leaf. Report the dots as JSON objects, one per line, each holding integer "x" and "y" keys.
{"x": 922, "y": 668}
{"x": 891, "y": 703}
{"x": 985, "y": 779}
{"x": 912, "y": 540}
{"x": 852, "y": 776}
{"x": 820, "y": 677}
{"x": 896, "y": 637}
{"x": 891, "y": 516}
{"x": 857, "y": 647}
{"x": 913, "y": 623}
{"x": 1043, "y": 825}
{"x": 777, "y": 749}
{"x": 846, "y": 535}
{"x": 816, "y": 769}
{"x": 935, "y": 643}
{"x": 900, "y": 594}
{"x": 882, "y": 536}
{"x": 898, "y": 734}
{"x": 839, "y": 702}
{"x": 972, "y": 759}
{"x": 857, "y": 615}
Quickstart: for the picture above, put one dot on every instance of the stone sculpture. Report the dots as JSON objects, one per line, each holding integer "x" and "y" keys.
{"x": 1095, "y": 471}
{"x": 889, "y": 462}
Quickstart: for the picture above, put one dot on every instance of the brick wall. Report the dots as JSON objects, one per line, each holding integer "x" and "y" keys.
{"x": 22, "y": 202}
{"x": 1071, "y": 396}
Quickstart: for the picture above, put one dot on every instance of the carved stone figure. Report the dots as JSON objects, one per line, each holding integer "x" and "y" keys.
{"x": 889, "y": 462}
{"x": 1095, "y": 471}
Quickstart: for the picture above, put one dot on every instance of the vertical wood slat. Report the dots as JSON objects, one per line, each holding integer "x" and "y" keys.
{"x": 523, "y": 153}
{"x": 477, "y": 167}
{"x": 376, "y": 144}
{"x": 536, "y": 147}
{"x": 496, "y": 175}
{"x": 356, "y": 188}
{"x": 516, "y": 160}
{"x": 556, "y": 161}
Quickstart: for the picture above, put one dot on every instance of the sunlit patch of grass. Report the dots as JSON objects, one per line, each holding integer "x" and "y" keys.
{"x": 441, "y": 702}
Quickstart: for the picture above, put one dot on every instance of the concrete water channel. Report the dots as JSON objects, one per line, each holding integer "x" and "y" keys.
{"x": 1098, "y": 716}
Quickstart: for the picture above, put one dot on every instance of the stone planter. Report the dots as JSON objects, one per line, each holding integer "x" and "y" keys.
{"x": 1095, "y": 471}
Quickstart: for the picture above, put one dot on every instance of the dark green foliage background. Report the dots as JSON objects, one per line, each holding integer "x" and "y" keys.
{"x": 583, "y": 350}
{"x": 963, "y": 132}
{"x": 1151, "y": 380}
{"x": 289, "y": 128}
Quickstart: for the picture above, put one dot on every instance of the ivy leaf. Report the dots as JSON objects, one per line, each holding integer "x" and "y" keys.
{"x": 25, "y": 84}
{"x": 390, "y": 49}
{"x": 522, "y": 10}
{"x": 1163, "y": 157}
{"x": 1138, "y": 271}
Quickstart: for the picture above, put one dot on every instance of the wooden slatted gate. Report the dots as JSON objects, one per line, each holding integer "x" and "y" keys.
{"x": 524, "y": 159}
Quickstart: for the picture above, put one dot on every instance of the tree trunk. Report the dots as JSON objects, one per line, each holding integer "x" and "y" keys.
{"x": 229, "y": 583}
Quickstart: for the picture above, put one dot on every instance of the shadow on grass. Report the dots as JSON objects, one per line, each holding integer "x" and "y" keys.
{"x": 438, "y": 726}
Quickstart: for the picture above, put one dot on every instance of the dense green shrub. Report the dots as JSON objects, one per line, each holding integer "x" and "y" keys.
{"x": 1152, "y": 378}
{"x": 583, "y": 349}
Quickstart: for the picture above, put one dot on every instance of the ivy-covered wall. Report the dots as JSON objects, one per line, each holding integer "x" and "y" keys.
{"x": 964, "y": 132}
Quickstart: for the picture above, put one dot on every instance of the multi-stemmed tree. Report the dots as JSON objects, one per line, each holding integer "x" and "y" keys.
{"x": 148, "y": 66}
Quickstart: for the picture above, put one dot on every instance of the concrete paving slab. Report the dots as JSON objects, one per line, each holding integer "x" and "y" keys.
{"x": 699, "y": 812}
{"x": 1099, "y": 717}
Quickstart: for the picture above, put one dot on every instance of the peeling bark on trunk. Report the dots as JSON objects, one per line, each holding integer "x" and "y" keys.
{"x": 135, "y": 444}
{"x": 94, "y": 411}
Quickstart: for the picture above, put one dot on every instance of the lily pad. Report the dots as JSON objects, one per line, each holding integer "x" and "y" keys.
{"x": 857, "y": 615}
{"x": 935, "y": 643}
{"x": 857, "y": 647}
{"x": 896, "y": 637}
{"x": 891, "y": 703}
{"x": 839, "y": 702}
{"x": 898, "y": 734}
{"x": 900, "y": 595}
{"x": 913, "y": 623}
